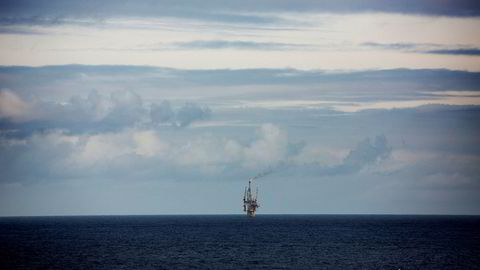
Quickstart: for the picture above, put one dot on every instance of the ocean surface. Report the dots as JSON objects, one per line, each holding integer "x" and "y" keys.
{"x": 238, "y": 242}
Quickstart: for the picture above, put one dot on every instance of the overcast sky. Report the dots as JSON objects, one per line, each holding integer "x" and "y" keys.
{"x": 169, "y": 107}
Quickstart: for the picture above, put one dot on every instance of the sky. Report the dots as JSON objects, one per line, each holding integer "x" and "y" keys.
{"x": 169, "y": 107}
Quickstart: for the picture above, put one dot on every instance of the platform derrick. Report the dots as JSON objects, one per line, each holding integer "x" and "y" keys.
{"x": 250, "y": 204}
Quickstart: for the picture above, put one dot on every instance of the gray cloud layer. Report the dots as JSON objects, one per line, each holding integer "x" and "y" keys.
{"x": 20, "y": 77}
{"x": 52, "y": 12}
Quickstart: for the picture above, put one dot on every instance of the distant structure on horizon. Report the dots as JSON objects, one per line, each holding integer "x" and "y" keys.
{"x": 250, "y": 204}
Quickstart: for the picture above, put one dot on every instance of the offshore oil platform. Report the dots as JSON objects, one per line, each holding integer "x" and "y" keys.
{"x": 250, "y": 204}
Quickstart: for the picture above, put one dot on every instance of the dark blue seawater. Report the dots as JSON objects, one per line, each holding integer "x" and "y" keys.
{"x": 238, "y": 242}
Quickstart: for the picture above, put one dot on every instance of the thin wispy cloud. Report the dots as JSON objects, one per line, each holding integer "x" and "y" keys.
{"x": 427, "y": 48}
{"x": 237, "y": 44}
{"x": 398, "y": 46}
{"x": 19, "y": 31}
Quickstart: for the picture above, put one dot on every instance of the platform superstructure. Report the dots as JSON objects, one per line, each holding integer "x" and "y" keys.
{"x": 250, "y": 204}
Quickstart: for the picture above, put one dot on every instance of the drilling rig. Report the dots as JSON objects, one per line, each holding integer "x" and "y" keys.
{"x": 250, "y": 200}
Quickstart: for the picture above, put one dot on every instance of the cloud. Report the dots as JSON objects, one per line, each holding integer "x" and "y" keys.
{"x": 35, "y": 21}
{"x": 236, "y": 44}
{"x": 127, "y": 109}
{"x": 6, "y": 30}
{"x": 433, "y": 170}
{"x": 226, "y": 11}
{"x": 366, "y": 153}
{"x": 427, "y": 48}
{"x": 137, "y": 153}
{"x": 162, "y": 113}
{"x": 143, "y": 153}
{"x": 184, "y": 116}
{"x": 37, "y": 158}
{"x": 23, "y": 78}
{"x": 93, "y": 113}
{"x": 190, "y": 113}
{"x": 396, "y": 46}
{"x": 333, "y": 159}
{"x": 13, "y": 108}
{"x": 270, "y": 148}
{"x": 27, "y": 12}
{"x": 471, "y": 52}
{"x": 51, "y": 105}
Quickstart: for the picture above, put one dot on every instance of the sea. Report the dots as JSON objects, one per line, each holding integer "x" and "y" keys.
{"x": 239, "y": 242}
